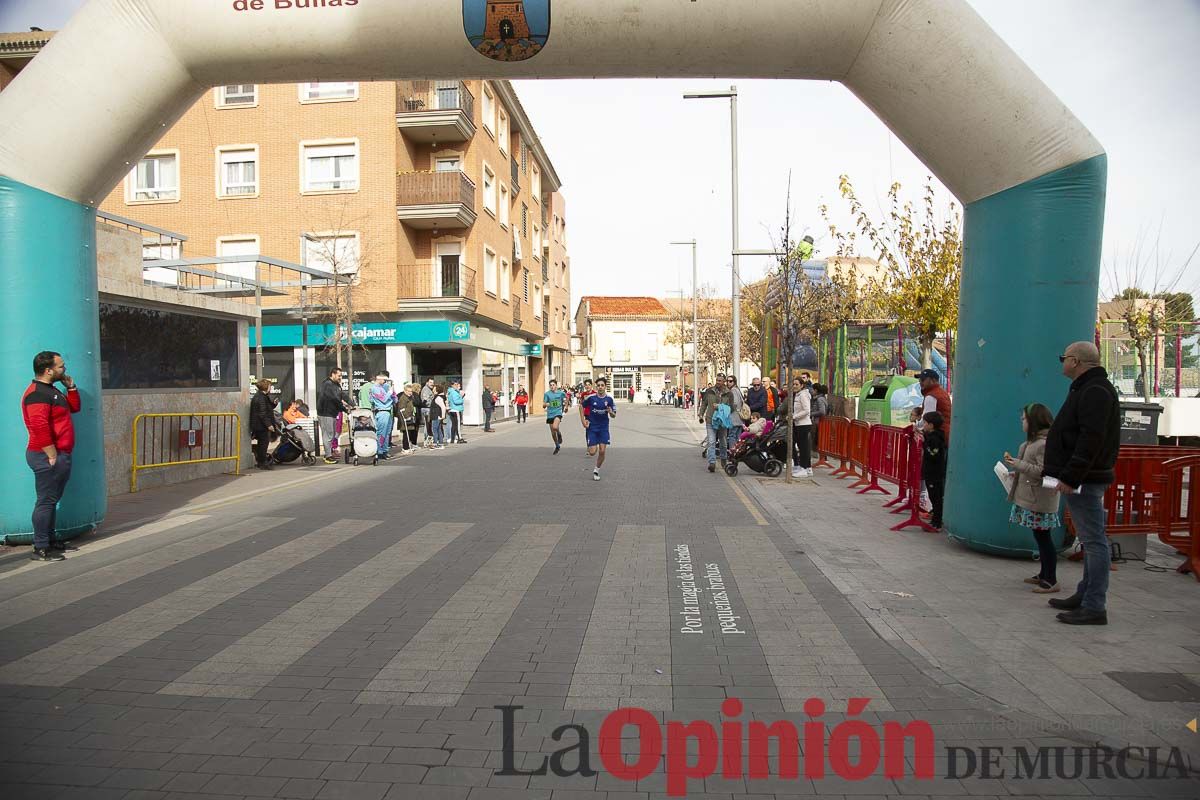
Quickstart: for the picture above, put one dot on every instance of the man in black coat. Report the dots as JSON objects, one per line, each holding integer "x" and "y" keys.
{"x": 331, "y": 401}
{"x": 1081, "y": 450}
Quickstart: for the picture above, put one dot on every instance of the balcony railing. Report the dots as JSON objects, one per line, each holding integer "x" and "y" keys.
{"x": 545, "y": 326}
{"x": 516, "y": 178}
{"x": 435, "y": 188}
{"x": 516, "y": 307}
{"x": 545, "y": 272}
{"x": 446, "y": 280}
{"x": 619, "y": 356}
{"x": 416, "y": 97}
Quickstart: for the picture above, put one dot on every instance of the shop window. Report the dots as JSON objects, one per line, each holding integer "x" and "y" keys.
{"x": 143, "y": 348}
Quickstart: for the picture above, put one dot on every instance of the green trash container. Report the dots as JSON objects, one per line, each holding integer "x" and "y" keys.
{"x": 875, "y": 400}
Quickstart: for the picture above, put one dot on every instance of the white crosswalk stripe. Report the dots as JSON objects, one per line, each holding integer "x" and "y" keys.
{"x": 76, "y": 655}
{"x": 628, "y": 636}
{"x": 436, "y": 665}
{"x": 253, "y": 661}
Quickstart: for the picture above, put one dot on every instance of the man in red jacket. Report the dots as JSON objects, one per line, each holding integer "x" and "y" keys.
{"x": 47, "y": 412}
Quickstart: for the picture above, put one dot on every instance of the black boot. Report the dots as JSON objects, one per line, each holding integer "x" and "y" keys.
{"x": 1084, "y": 616}
{"x": 46, "y": 555}
{"x": 1067, "y": 603}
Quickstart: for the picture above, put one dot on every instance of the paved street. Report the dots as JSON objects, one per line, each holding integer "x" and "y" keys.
{"x": 351, "y": 635}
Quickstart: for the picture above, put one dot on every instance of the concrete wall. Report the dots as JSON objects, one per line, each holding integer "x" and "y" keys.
{"x": 119, "y": 274}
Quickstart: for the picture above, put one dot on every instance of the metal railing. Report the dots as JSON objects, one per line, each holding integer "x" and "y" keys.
{"x": 619, "y": 356}
{"x": 178, "y": 440}
{"x": 516, "y": 306}
{"x": 416, "y": 97}
{"x": 426, "y": 280}
{"x": 545, "y": 272}
{"x": 545, "y": 325}
{"x": 435, "y": 188}
{"x": 516, "y": 178}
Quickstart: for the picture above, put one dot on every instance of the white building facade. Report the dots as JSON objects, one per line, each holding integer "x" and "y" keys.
{"x": 625, "y": 339}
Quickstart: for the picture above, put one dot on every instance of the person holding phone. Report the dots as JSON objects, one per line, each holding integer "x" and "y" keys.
{"x": 47, "y": 413}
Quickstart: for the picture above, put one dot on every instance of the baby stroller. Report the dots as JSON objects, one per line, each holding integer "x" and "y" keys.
{"x": 364, "y": 445}
{"x": 294, "y": 443}
{"x": 766, "y": 454}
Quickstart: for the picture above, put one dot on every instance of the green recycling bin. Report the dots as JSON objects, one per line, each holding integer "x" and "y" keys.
{"x": 875, "y": 400}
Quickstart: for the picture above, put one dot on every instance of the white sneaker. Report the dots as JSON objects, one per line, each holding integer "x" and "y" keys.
{"x": 595, "y": 474}
{"x": 797, "y": 472}
{"x": 808, "y": 473}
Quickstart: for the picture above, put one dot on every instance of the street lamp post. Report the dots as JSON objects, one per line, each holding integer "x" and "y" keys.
{"x": 736, "y": 294}
{"x": 695, "y": 314}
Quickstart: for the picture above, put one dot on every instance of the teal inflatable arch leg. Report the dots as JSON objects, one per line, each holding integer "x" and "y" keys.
{"x": 1031, "y": 268}
{"x": 48, "y": 301}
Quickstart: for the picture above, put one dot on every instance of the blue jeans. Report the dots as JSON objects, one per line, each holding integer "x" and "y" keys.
{"x": 49, "y": 483}
{"x": 1087, "y": 512}
{"x": 437, "y": 431}
{"x": 718, "y": 443}
{"x": 383, "y": 430}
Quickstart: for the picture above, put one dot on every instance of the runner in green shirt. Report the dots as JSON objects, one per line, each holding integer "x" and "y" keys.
{"x": 554, "y": 399}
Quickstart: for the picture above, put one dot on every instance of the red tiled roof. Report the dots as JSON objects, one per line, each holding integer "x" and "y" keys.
{"x": 625, "y": 307}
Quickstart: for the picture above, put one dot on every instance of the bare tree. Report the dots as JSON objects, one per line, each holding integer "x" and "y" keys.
{"x": 1144, "y": 282}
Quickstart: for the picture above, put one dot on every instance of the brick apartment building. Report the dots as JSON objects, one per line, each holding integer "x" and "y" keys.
{"x": 434, "y": 200}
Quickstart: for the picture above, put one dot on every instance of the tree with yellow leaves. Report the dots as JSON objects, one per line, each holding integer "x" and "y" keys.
{"x": 921, "y": 254}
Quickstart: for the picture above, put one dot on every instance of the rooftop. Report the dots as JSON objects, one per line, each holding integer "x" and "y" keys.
{"x": 649, "y": 307}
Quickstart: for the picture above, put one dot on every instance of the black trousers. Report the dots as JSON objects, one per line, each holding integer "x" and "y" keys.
{"x": 522, "y": 413}
{"x": 1047, "y": 555}
{"x": 936, "y": 486}
{"x": 487, "y": 418}
{"x": 455, "y": 427}
{"x": 802, "y": 446}
{"x": 262, "y": 440}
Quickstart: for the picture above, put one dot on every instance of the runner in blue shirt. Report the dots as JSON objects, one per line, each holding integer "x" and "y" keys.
{"x": 595, "y": 412}
{"x": 555, "y": 401}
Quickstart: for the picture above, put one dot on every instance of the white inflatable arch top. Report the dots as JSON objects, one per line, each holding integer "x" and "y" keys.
{"x": 105, "y": 88}
{"x": 1030, "y": 176}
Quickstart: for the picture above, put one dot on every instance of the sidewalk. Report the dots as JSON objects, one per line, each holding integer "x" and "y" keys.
{"x": 972, "y": 619}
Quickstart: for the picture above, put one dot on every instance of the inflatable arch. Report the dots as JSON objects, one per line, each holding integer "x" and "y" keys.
{"x": 1030, "y": 176}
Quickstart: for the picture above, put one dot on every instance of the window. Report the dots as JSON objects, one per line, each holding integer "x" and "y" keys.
{"x": 506, "y": 272}
{"x": 489, "y": 110}
{"x": 325, "y": 92}
{"x": 502, "y": 133}
{"x": 142, "y": 348}
{"x": 448, "y": 276}
{"x": 535, "y": 184}
{"x": 652, "y": 346}
{"x": 525, "y": 286}
{"x": 450, "y": 164}
{"x": 489, "y": 190}
{"x": 524, "y": 219}
{"x": 537, "y": 242}
{"x": 237, "y": 94}
{"x": 330, "y": 167}
{"x": 238, "y": 246}
{"x": 505, "y": 206}
{"x": 491, "y": 280}
{"x": 155, "y": 178}
{"x": 333, "y": 252}
{"x": 537, "y": 302}
{"x": 237, "y": 171}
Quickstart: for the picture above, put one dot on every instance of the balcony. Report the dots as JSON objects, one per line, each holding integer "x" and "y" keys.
{"x": 448, "y": 286}
{"x": 435, "y": 111}
{"x": 619, "y": 356}
{"x": 516, "y": 178}
{"x": 545, "y": 272}
{"x": 516, "y": 307}
{"x": 545, "y": 325}
{"x": 428, "y": 200}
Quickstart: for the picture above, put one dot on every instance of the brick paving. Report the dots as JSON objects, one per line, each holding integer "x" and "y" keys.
{"x": 352, "y": 635}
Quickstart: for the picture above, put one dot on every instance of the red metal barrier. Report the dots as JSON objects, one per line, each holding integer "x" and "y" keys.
{"x": 913, "y": 506}
{"x": 824, "y": 443}
{"x": 859, "y": 452}
{"x": 1179, "y": 526}
{"x": 888, "y": 459}
{"x": 840, "y": 444}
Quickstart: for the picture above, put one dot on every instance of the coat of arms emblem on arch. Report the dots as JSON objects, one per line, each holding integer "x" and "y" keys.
{"x": 507, "y": 30}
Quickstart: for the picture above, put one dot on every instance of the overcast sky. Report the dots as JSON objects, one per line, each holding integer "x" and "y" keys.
{"x": 641, "y": 166}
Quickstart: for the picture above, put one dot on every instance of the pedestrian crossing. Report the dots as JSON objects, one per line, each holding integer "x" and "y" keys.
{"x": 625, "y": 653}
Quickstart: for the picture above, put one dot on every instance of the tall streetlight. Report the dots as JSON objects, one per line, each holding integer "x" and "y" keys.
{"x": 695, "y": 342}
{"x": 732, "y": 94}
